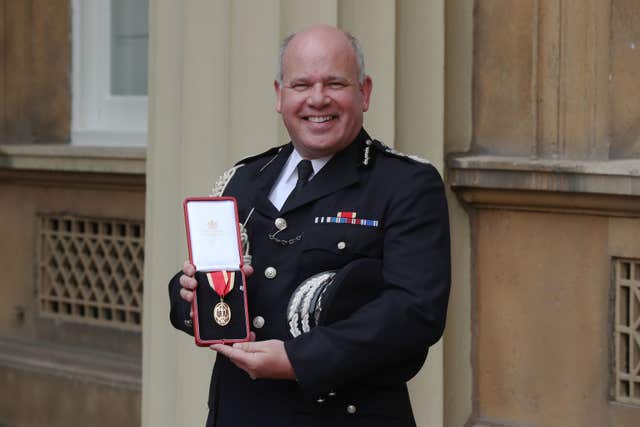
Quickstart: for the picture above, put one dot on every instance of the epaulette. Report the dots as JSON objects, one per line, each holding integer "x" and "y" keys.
{"x": 270, "y": 152}
{"x": 388, "y": 150}
{"x": 223, "y": 180}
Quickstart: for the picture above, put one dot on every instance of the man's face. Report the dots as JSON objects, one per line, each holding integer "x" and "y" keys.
{"x": 320, "y": 99}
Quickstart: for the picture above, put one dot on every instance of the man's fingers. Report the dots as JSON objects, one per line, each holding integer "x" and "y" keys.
{"x": 261, "y": 359}
{"x": 237, "y": 355}
{"x": 188, "y": 282}
{"x": 252, "y": 336}
{"x": 186, "y": 295}
{"x": 249, "y": 347}
{"x": 188, "y": 269}
{"x": 247, "y": 270}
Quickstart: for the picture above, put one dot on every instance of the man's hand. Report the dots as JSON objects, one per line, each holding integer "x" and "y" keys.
{"x": 259, "y": 359}
{"x": 189, "y": 283}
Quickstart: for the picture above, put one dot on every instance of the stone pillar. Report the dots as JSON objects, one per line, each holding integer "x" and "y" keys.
{"x": 212, "y": 65}
{"x": 546, "y": 168}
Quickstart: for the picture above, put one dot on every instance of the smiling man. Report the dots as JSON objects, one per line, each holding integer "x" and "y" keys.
{"x": 332, "y": 200}
{"x": 322, "y": 91}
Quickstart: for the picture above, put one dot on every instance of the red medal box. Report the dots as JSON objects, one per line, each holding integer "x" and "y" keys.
{"x": 220, "y": 311}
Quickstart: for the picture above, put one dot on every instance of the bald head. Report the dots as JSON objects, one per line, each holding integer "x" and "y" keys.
{"x": 322, "y": 92}
{"x": 323, "y": 32}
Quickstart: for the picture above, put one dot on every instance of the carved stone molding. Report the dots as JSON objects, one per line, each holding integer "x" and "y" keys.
{"x": 602, "y": 188}
{"x": 105, "y": 168}
{"x": 73, "y": 158}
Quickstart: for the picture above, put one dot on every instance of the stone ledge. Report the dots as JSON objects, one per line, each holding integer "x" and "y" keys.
{"x": 102, "y": 368}
{"x": 73, "y": 158}
{"x": 615, "y": 177}
{"x": 600, "y": 167}
{"x": 596, "y": 188}
{"x": 490, "y": 422}
{"x": 80, "y": 180}
{"x": 549, "y": 201}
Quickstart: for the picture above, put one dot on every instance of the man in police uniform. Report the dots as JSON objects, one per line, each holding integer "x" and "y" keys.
{"x": 354, "y": 371}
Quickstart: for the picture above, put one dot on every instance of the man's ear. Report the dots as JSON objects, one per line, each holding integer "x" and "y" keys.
{"x": 365, "y": 88}
{"x": 278, "y": 90}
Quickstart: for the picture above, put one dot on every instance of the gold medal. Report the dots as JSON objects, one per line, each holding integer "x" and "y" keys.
{"x": 221, "y": 282}
{"x": 222, "y": 313}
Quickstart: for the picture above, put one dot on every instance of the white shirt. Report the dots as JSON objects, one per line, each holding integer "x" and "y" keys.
{"x": 288, "y": 177}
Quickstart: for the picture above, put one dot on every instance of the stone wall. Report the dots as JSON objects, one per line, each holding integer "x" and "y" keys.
{"x": 59, "y": 367}
{"x": 551, "y": 182}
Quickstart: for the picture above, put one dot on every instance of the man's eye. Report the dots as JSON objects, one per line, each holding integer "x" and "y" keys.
{"x": 336, "y": 85}
{"x": 299, "y": 86}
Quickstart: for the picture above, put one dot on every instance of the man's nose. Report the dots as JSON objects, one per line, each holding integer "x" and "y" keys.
{"x": 318, "y": 97}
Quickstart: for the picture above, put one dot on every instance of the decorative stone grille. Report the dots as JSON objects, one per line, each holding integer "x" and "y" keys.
{"x": 90, "y": 270}
{"x": 627, "y": 331}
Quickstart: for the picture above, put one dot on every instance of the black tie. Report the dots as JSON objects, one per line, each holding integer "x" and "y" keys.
{"x": 304, "y": 172}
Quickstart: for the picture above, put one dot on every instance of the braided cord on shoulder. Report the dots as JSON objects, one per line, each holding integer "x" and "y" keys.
{"x": 221, "y": 183}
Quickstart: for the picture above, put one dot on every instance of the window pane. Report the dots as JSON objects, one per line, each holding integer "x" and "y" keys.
{"x": 129, "y": 45}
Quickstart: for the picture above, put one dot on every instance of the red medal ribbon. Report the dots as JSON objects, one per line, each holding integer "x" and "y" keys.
{"x": 349, "y": 215}
{"x": 221, "y": 281}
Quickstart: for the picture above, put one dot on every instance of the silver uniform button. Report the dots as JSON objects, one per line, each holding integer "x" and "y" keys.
{"x": 270, "y": 272}
{"x": 341, "y": 245}
{"x": 351, "y": 409}
{"x": 320, "y": 400}
{"x": 258, "y": 322}
{"x": 332, "y": 393}
{"x": 281, "y": 223}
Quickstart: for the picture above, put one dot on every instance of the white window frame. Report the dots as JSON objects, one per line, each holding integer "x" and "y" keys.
{"x": 98, "y": 117}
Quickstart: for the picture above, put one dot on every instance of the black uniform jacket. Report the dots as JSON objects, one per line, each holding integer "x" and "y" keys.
{"x": 353, "y": 372}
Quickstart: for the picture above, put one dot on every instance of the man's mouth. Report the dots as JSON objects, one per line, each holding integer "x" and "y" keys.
{"x": 320, "y": 119}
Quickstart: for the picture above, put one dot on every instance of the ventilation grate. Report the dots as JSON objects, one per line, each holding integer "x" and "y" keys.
{"x": 627, "y": 331}
{"x": 91, "y": 270}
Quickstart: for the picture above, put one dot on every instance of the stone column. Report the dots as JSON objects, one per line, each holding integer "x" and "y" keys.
{"x": 212, "y": 65}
